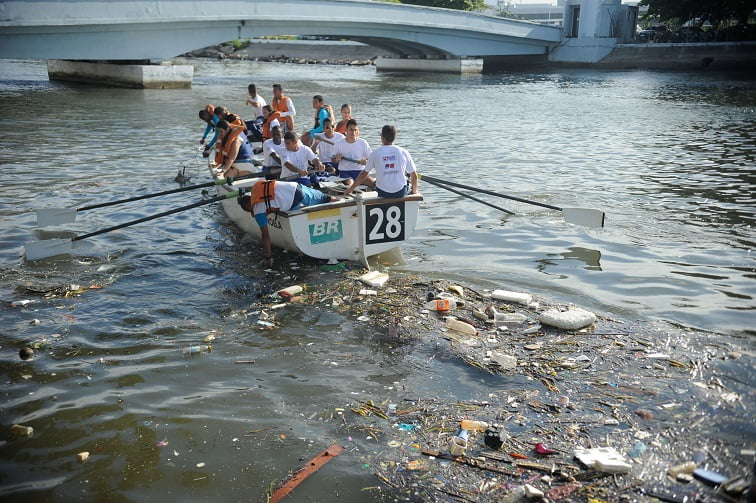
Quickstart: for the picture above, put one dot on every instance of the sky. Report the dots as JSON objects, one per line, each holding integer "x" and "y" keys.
{"x": 525, "y": 2}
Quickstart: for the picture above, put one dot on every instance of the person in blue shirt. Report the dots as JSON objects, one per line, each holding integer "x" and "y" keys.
{"x": 207, "y": 115}
{"x": 322, "y": 111}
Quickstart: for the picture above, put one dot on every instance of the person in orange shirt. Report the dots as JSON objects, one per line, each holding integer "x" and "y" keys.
{"x": 284, "y": 106}
{"x": 346, "y": 114}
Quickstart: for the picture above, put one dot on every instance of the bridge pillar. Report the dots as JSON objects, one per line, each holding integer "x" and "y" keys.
{"x": 140, "y": 76}
{"x": 456, "y": 65}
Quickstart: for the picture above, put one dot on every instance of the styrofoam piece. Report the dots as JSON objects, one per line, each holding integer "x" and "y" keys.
{"x": 604, "y": 459}
{"x": 375, "y": 279}
{"x": 572, "y": 319}
{"x": 506, "y": 362}
{"x": 516, "y": 297}
{"x": 460, "y": 326}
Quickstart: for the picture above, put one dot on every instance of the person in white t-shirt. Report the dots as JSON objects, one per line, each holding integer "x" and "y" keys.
{"x": 297, "y": 159}
{"x": 257, "y": 103}
{"x": 352, "y": 152}
{"x": 274, "y": 151}
{"x": 391, "y": 165}
{"x": 325, "y": 144}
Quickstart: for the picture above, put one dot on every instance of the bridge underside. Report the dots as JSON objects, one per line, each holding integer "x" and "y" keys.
{"x": 117, "y": 42}
{"x": 157, "y": 30}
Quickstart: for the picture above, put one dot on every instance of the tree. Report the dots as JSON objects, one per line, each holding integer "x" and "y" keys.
{"x": 469, "y": 5}
{"x": 714, "y": 11}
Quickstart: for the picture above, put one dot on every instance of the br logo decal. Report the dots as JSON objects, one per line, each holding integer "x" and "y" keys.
{"x": 325, "y": 231}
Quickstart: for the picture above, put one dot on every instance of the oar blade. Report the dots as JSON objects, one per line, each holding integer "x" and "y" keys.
{"x": 36, "y": 250}
{"x": 55, "y": 216}
{"x": 584, "y": 216}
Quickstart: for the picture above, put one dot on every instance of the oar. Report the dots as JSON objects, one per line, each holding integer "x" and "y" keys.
{"x": 322, "y": 138}
{"x": 466, "y": 195}
{"x": 578, "y": 216}
{"x": 58, "y": 216}
{"x": 36, "y": 250}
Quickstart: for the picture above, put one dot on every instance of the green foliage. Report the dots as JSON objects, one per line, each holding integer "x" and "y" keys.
{"x": 469, "y": 5}
{"x": 240, "y": 44}
{"x": 714, "y": 11}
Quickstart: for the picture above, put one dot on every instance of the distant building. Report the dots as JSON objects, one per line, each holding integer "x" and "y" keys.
{"x": 544, "y": 13}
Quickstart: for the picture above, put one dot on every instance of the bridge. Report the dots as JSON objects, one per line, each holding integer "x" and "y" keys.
{"x": 156, "y": 30}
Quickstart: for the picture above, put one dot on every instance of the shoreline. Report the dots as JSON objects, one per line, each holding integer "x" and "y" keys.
{"x": 709, "y": 56}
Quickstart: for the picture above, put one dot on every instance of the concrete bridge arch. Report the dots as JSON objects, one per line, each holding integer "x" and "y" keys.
{"x": 162, "y": 29}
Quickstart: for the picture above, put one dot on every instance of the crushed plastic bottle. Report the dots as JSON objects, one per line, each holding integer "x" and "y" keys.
{"x": 458, "y": 443}
{"x": 196, "y": 349}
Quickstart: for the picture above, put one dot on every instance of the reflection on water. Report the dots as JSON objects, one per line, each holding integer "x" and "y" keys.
{"x": 669, "y": 157}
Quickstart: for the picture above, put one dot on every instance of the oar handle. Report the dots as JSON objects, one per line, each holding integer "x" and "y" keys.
{"x": 490, "y": 193}
{"x": 231, "y": 194}
{"x": 432, "y": 181}
{"x": 220, "y": 181}
{"x": 317, "y": 137}
{"x": 351, "y": 160}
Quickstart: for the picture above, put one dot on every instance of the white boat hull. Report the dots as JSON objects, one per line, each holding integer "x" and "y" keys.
{"x": 354, "y": 228}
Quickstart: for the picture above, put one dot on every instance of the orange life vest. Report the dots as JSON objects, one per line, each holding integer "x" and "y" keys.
{"x": 262, "y": 192}
{"x": 223, "y": 152}
{"x": 341, "y": 127}
{"x": 280, "y": 105}
{"x": 266, "y": 134}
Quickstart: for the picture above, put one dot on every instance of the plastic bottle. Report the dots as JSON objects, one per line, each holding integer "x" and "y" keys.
{"x": 290, "y": 291}
{"x": 687, "y": 467}
{"x": 638, "y": 449}
{"x": 472, "y": 425}
{"x": 509, "y": 319}
{"x": 458, "y": 443}
{"x": 441, "y": 305}
{"x": 196, "y": 348}
{"x": 515, "y": 494}
{"x": 460, "y": 326}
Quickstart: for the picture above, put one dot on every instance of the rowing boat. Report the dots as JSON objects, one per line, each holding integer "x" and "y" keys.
{"x": 354, "y": 228}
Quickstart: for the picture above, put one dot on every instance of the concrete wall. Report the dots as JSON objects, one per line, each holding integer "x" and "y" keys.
{"x": 714, "y": 56}
{"x": 137, "y": 76}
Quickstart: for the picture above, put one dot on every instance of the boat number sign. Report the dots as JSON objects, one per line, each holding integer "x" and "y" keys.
{"x": 384, "y": 223}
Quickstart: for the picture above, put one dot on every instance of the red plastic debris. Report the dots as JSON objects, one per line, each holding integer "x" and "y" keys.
{"x": 542, "y": 449}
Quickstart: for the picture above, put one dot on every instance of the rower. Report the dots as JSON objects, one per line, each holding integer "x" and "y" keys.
{"x": 322, "y": 112}
{"x": 297, "y": 159}
{"x": 268, "y": 196}
{"x": 273, "y": 150}
{"x": 325, "y": 144}
{"x": 283, "y": 105}
{"x": 346, "y": 114}
{"x": 352, "y": 153}
{"x": 235, "y": 151}
{"x": 271, "y": 119}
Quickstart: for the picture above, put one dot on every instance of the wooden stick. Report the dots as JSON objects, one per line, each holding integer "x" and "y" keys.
{"x": 311, "y": 467}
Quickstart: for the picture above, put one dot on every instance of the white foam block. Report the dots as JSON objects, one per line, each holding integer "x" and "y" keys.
{"x": 572, "y": 319}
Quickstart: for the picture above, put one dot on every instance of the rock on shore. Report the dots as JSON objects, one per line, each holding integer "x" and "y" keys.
{"x": 296, "y": 51}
